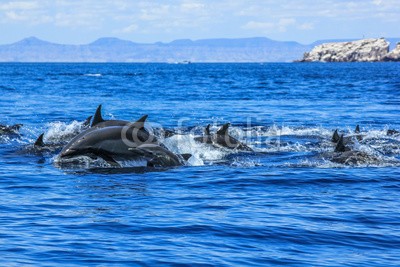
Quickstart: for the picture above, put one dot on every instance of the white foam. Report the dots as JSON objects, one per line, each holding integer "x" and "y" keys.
{"x": 133, "y": 163}
{"x": 382, "y": 149}
{"x": 276, "y": 130}
{"x": 81, "y": 162}
{"x": 185, "y": 144}
{"x": 245, "y": 163}
{"x": 93, "y": 74}
{"x": 61, "y": 131}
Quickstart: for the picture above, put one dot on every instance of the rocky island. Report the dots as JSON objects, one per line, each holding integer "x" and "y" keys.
{"x": 394, "y": 55}
{"x": 366, "y": 50}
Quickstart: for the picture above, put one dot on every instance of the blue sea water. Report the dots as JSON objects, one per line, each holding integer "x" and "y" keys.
{"x": 285, "y": 204}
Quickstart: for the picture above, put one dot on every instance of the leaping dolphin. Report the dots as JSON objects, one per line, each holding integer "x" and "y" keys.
{"x": 99, "y": 122}
{"x": 222, "y": 139}
{"x": 114, "y": 143}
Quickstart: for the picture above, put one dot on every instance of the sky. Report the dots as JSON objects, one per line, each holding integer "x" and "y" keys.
{"x": 304, "y": 21}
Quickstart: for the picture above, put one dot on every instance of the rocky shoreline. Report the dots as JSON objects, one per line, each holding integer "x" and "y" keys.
{"x": 365, "y": 50}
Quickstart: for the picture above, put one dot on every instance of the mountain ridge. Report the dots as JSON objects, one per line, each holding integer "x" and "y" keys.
{"x": 112, "y": 49}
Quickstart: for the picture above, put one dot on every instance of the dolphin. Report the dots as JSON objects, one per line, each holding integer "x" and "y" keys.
{"x": 341, "y": 146}
{"x": 158, "y": 156}
{"x": 335, "y": 137}
{"x": 99, "y": 122}
{"x": 12, "y": 129}
{"x": 39, "y": 146}
{"x": 39, "y": 141}
{"x": 347, "y": 139}
{"x": 121, "y": 143}
{"x": 222, "y": 139}
{"x": 358, "y": 134}
{"x": 86, "y": 123}
{"x": 392, "y": 132}
{"x": 133, "y": 134}
{"x": 140, "y": 132}
{"x": 206, "y": 138}
{"x": 167, "y": 133}
{"x": 343, "y": 154}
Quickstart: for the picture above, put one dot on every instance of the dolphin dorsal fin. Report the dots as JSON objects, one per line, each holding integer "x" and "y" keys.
{"x": 357, "y": 130}
{"x": 39, "y": 142}
{"x": 224, "y": 129}
{"x": 97, "y": 118}
{"x": 207, "y": 130}
{"x": 335, "y": 137}
{"x": 340, "y": 147}
{"x": 140, "y": 122}
{"x": 87, "y": 121}
{"x": 186, "y": 156}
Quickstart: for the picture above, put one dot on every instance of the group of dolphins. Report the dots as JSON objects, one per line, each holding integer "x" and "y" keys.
{"x": 119, "y": 140}
{"x": 345, "y": 153}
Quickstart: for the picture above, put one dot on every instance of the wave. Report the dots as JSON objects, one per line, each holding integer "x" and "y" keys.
{"x": 93, "y": 74}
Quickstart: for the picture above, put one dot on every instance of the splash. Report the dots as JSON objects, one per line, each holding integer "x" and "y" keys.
{"x": 282, "y": 145}
{"x": 59, "y": 132}
{"x": 201, "y": 153}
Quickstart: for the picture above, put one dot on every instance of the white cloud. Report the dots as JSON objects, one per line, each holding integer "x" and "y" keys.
{"x": 154, "y": 12}
{"x": 281, "y": 25}
{"x": 306, "y": 26}
{"x": 12, "y": 15}
{"x": 377, "y": 2}
{"x": 19, "y": 5}
{"x": 257, "y": 25}
{"x": 189, "y": 6}
{"x": 83, "y": 19}
{"x": 131, "y": 28}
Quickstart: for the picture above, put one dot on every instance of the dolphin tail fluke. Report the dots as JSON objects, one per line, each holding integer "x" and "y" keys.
{"x": 97, "y": 118}
{"x": 87, "y": 121}
{"x": 39, "y": 142}
{"x": 340, "y": 147}
{"x": 335, "y": 137}
{"x": 207, "y": 130}
{"x": 224, "y": 129}
{"x": 357, "y": 130}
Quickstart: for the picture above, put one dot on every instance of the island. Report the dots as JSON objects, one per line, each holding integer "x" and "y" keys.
{"x": 365, "y": 50}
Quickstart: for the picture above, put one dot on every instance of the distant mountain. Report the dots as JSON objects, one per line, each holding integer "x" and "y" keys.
{"x": 109, "y": 49}
{"x": 116, "y": 50}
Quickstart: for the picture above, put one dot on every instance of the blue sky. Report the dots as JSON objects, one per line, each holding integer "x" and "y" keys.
{"x": 83, "y": 21}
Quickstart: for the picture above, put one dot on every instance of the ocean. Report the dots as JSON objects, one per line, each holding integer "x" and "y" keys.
{"x": 286, "y": 203}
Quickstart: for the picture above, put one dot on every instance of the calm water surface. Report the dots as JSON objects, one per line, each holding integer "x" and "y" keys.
{"x": 285, "y": 204}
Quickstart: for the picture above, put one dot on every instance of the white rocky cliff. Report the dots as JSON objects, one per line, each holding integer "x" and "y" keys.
{"x": 394, "y": 55}
{"x": 366, "y": 50}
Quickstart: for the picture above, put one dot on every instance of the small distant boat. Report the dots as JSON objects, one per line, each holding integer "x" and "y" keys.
{"x": 185, "y": 62}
